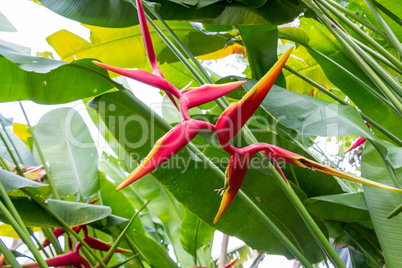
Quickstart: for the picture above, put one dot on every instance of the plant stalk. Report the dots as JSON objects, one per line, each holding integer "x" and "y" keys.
{"x": 8, "y": 255}
{"x": 384, "y": 25}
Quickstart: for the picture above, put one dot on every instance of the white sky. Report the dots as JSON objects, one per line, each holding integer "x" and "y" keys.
{"x": 34, "y": 23}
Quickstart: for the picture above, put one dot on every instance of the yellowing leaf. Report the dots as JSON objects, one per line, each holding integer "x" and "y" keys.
{"x": 233, "y": 49}
{"x": 22, "y": 131}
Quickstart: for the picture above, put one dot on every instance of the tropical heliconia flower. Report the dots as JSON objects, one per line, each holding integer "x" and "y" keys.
{"x": 98, "y": 244}
{"x": 167, "y": 146}
{"x": 359, "y": 142}
{"x": 2, "y": 258}
{"x": 59, "y": 232}
{"x": 237, "y": 114}
{"x": 71, "y": 258}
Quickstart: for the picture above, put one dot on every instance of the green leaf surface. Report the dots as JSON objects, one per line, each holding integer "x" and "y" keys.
{"x": 152, "y": 251}
{"x": 48, "y": 81}
{"x": 193, "y": 184}
{"x": 67, "y": 145}
{"x": 312, "y": 116}
{"x": 380, "y": 204}
{"x": 261, "y": 45}
{"x": 13, "y": 183}
{"x": 119, "y": 204}
{"x": 194, "y": 233}
{"x": 71, "y": 212}
{"x": 5, "y": 24}
{"x": 121, "y": 13}
{"x": 350, "y": 207}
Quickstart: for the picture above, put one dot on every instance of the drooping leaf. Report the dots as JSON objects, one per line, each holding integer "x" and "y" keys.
{"x": 48, "y": 81}
{"x": 123, "y": 14}
{"x": 153, "y": 253}
{"x": 380, "y": 204}
{"x": 71, "y": 212}
{"x": 67, "y": 145}
{"x": 13, "y": 183}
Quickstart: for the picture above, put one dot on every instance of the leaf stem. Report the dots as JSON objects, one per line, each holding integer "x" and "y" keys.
{"x": 8, "y": 255}
{"x": 12, "y": 143}
{"x": 65, "y": 226}
{"x": 24, "y": 235}
{"x": 361, "y": 20}
{"x": 363, "y": 35}
{"x": 42, "y": 158}
{"x": 394, "y": 40}
{"x": 11, "y": 155}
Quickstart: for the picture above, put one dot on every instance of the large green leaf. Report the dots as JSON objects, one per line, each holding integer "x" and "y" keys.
{"x": 42, "y": 80}
{"x": 71, "y": 212}
{"x": 121, "y": 13}
{"x": 13, "y": 183}
{"x": 195, "y": 233}
{"x": 261, "y": 45}
{"x": 119, "y": 204}
{"x": 193, "y": 184}
{"x": 380, "y": 204}
{"x": 67, "y": 145}
{"x": 312, "y": 116}
{"x": 152, "y": 251}
{"x": 349, "y": 207}
{"x": 163, "y": 208}
{"x": 124, "y": 47}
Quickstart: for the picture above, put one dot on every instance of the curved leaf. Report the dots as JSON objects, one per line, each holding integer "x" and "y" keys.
{"x": 121, "y": 13}
{"x": 49, "y": 81}
{"x": 67, "y": 145}
{"x": 12, "y": 183}
{"x": 5, "y": 24}
{"x": 71, "y": 212}
{"x": 380, "y": 204}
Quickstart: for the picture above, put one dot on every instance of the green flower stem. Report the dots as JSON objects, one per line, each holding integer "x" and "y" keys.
{"x": 12, "y": 143}
{"x": 356, "y": 50}
{"x": 4, "y": 164}
{"x": 363, "y": 35}
{"x": 377, "y": 55}
{"x": 385, "y": 27}
{"x": 356, "y": 78}
{"x": 8, "y": 255}
{"x": 349, "y": 46}
{"x": 20, "y": 231}
{"x": 65, "y": 226}
{"x": 10, "y": 152}
{"x": 368, "y": 255}
{"x": 342, "y": 37}
{"x": 339, "y": 100}
{"x": 42, "y": 158}
{"x": 359, "y": 19}
{"x": 116, "y": 243}
{"x": 53, "y": 240}
{"x": 31, "y": 232}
